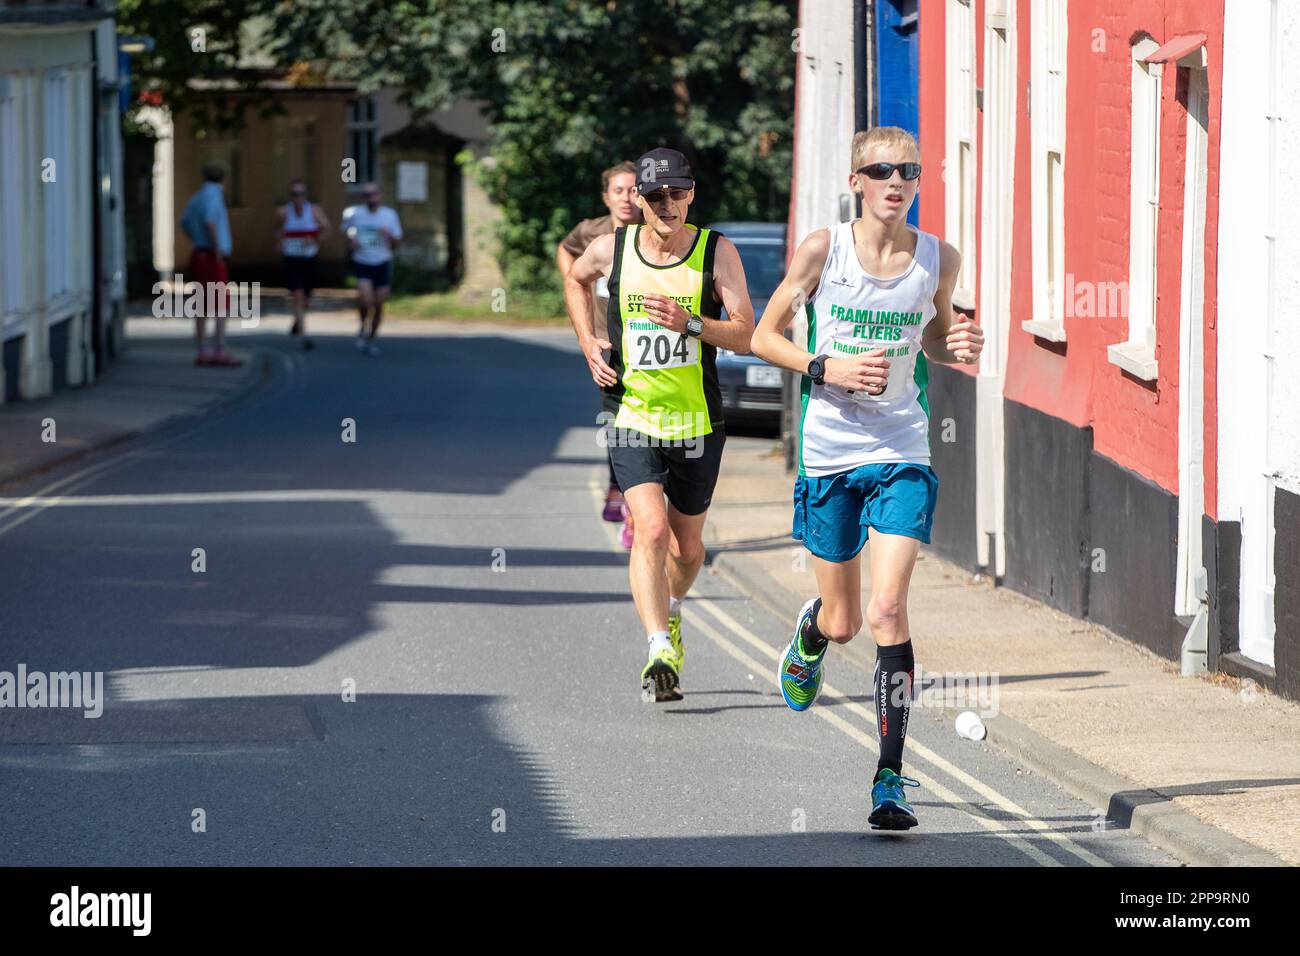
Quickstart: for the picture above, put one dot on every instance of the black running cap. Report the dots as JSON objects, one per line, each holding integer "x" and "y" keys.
{"x": 662, "y": 167}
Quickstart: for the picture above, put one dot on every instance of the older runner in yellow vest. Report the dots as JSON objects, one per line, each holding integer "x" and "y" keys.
{"x": 668, "y": 283}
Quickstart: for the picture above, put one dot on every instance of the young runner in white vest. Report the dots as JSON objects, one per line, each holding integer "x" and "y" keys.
{"x": 879, "y": 303}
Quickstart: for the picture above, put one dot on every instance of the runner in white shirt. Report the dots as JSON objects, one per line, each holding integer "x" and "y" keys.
{"x": 372, "y": 230}
{"x": 300, "y": 225}
{"x": 879, "y": 297}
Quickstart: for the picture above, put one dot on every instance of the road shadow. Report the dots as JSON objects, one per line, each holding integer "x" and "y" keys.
{"x": 255, "y": 545}
{"x": 1122, "y": 805}
{"x": 397, "y": 779}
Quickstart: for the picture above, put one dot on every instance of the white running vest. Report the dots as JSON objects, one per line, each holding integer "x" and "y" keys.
{"x": 300, "y": 232}
{"x": 854, "y": 312}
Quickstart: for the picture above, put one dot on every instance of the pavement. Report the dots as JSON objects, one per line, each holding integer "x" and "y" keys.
{"x": 1207, "y": 768}
{"x": 414, "y": 647}
{"x": 150, "y": 385}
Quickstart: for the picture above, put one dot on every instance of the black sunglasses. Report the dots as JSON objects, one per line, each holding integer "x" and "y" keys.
{"x": 882, "y": 171}
{"x": 662, "y": 194}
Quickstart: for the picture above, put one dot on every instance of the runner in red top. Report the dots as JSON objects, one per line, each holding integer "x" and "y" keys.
{"x": 300, "y": 225}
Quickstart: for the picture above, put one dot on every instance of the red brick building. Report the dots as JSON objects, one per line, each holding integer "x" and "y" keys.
{"x": 1071, "y": 152}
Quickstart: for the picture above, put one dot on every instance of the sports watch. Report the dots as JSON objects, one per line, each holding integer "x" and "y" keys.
{"x": 694, "y": 326}
{"x": 817, "y": 370}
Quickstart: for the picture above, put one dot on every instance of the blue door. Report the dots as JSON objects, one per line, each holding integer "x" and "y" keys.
{"x": 897, "y": 37}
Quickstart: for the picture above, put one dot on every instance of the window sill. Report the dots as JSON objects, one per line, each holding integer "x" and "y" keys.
{"x": 65, "y": 305}
{"x": 963, "y": 299}
{"x": 1135, "y": 358}
{"x": 1044, "y": 330}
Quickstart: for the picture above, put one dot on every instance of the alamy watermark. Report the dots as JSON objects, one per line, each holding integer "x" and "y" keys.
{"x": 957, "y": 691}
{"x": 37, "y": 689}
{"x": 610, "y": 435}
{"x": 1094, "y": 300}
{"x": 128, "y": 910}
{"x": 188, "y": 300}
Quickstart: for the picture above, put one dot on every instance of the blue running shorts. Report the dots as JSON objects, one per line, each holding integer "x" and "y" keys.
{"x": 832, "y": 513}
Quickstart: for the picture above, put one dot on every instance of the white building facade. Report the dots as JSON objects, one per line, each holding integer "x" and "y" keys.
{"x": 62, "y": 276}
{"x": 1259, "y": 281}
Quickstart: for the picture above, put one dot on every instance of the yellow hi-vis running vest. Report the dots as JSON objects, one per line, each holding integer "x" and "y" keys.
{"x": 667, "y": 381}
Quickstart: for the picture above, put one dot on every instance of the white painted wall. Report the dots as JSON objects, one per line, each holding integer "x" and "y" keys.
{"x": 824, "y": 129}
{"x": 165, "y": 213}
{"x": 1257, "y": 444}
{"x": 48, "y": 119}
{"x": 1284, "y": 423}
{"x": 826, "y": 109}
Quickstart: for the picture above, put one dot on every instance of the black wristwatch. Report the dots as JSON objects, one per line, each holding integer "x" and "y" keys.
{"x": 817, "y": 370}
{"x": 694, "y": 326}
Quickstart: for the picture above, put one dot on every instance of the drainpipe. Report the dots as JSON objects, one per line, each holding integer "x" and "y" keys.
{"x": 864, "y": 74}
{"x": 1195, "y": 643}
{"x": 863, "y": 55}
{"x": 98, "y": 356}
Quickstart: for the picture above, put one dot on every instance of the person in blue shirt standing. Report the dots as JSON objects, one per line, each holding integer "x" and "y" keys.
{"x": 208, "y": 228}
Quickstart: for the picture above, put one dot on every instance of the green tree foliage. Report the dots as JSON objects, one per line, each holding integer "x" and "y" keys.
{"x": 198, "y": 44}
{"x": 573, "y": 86}
{"x": 569, "y": 87}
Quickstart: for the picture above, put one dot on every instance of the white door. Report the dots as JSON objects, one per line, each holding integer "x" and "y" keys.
{"x": 997, "y": 190}
{"x": 1191, "y": 352}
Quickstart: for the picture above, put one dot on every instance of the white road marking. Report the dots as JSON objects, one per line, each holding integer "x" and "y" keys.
{"x": 1005, "y": 803}
{"x": 943, "y": 793}
{"x": 868, "y": 741}
{"x": 35, "y": 503}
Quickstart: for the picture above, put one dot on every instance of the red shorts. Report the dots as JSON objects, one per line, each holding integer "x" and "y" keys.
{"x": 205, "y": 267}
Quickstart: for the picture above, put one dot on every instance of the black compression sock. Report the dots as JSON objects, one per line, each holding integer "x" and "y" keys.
{"x": 891, "y": 686}
{"x": 812, "y": 640}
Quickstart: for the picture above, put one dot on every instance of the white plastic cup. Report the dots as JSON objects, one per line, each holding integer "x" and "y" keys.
{"x": 970, "y": 726}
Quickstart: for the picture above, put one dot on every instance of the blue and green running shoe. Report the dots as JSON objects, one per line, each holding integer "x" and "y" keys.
{"x": 889, "y": 807}
{"x": 800, "y": 676}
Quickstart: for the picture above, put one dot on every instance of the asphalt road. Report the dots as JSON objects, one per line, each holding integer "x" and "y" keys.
{"x": 450, "y": 565}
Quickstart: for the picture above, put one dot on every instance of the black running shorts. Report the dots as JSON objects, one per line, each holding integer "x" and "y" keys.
{"x": 688, "y": 469}
{"x": 300, "y": 273}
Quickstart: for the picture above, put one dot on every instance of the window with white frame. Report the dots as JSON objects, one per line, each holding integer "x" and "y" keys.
{"x": 1137, "y": 355}
{"x": 363, "y": 128}
{"x": 11, "y": 249}
{"x": 1047, "y": 29}
{"x": 959, "y": 146}
{"x": 58, "y": 181}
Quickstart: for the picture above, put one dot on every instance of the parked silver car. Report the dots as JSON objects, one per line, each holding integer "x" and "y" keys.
{"x": 751, "y": 389}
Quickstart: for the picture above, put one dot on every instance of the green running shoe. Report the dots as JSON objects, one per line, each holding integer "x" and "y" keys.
{"x": 675, "y": 637}
{"x": 661, "y": 678}
{"x": 800, "y": 676}
{"x": 889, "y": 807}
